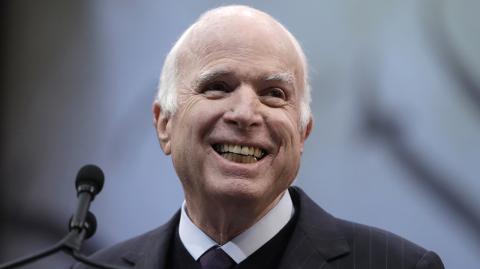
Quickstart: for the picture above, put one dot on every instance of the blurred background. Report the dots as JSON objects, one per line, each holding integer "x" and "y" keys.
{"x": 396, "y": 103}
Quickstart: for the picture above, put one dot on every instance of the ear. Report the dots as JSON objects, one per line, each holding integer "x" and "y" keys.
{"x": 162, "y": 125}
{"x": 306, "y": 132}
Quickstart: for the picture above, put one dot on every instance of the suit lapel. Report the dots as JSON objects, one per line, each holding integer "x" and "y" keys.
{"x": 152, "y": 252}
{"x": 315, "y": 239}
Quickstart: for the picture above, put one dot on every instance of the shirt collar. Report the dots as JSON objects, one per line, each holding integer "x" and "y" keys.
{"x": 239, "y": 248}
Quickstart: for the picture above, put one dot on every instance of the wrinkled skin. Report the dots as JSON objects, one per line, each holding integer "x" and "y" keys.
{"x": 241, "y": 83}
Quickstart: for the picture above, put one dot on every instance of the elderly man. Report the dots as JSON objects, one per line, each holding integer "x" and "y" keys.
{"x": 233, "y": 113}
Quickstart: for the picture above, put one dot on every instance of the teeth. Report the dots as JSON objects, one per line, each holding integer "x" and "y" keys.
{"x": 239, "y": 158}
{"x": 237, "y": 149}
{"x": 245, "y": 154}
{"x": 257, "y": 152}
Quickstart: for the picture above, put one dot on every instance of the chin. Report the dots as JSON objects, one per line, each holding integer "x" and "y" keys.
{"x": 243, "y": 191}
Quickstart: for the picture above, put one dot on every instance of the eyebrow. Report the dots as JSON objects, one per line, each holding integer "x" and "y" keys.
{"x": 286, "y": 77}
{"x": 211, "y": 75}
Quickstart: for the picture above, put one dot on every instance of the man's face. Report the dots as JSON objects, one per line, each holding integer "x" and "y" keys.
{"x": 236, "y": 135}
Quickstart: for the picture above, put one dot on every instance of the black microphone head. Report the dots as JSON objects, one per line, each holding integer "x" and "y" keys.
{"x": 90, "y": 178}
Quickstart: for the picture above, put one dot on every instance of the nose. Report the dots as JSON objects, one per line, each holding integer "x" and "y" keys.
{"x": 244, "y": 109}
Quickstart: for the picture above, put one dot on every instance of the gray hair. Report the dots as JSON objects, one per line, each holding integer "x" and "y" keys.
{"x": 167, "y": 87}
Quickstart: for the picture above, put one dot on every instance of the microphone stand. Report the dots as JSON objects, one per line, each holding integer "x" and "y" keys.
{"x": 83, "y": 223}
{"x": 70, "y": 244}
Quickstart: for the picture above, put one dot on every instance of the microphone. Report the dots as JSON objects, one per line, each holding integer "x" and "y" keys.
{"x": 89, "y": 183}
{"x": 89, "y": 226}
{"x": 82, "y": 224}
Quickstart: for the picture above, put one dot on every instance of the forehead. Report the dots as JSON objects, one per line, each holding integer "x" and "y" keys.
{"x": 254, "y": 42}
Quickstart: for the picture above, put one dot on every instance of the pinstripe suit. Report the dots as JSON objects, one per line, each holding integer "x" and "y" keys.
{"x": 319, "y": 240}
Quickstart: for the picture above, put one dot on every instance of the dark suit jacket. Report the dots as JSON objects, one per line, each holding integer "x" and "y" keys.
{"x": 319, "y": 240}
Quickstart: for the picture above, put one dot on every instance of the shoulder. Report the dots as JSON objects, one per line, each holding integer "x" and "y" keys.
{"x": 115, "y": 255}
{"x": 128, "y": 252}
{"x": 352, "y": 244}
{"x": 383, "y": 248}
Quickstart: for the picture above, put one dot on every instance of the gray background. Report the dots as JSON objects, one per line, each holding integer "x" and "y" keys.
{"x": 396, "y": 103}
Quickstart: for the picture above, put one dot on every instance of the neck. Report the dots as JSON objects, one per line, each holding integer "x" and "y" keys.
{"x": 222, "y": 220}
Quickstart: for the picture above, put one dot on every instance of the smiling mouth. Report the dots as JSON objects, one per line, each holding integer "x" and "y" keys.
{"x": 239, "y": 153}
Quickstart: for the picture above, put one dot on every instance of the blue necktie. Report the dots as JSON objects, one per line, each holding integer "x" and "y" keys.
{"x": 216, "y": 258}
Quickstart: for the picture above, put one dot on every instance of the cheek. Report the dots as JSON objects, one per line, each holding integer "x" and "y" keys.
{"x": 285, "y": 129}
{"x": 196, "y": 118}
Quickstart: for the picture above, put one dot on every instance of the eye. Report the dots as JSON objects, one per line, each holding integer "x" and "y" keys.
{"x": 276, "y": 93}
{"x": 215, "y": 90}
{"x": 217, "y": 87}
{"x": 274, "y": 97}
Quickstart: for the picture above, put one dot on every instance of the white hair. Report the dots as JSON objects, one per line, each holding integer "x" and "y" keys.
{"x": 167, "y": 87}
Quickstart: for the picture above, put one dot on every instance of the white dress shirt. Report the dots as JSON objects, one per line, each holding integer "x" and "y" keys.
{"x": 244, "y": 244}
